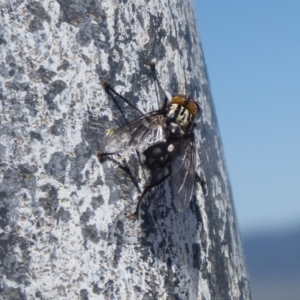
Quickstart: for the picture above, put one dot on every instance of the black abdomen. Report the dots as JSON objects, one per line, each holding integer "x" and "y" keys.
{"x": 158, "y": 155}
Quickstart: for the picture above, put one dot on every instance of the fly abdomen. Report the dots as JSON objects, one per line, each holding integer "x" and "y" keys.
{"x": 157, "y": 155}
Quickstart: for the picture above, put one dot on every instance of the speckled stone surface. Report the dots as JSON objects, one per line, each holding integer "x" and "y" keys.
{"x": 64, "y": 230}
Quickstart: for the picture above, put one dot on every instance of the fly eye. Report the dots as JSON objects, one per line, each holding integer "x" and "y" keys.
{"x": 194, "y": 108}
{"x": 198, "y": 106}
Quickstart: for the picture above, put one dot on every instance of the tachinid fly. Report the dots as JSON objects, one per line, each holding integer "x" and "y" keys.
{"x": 166, "y": 139}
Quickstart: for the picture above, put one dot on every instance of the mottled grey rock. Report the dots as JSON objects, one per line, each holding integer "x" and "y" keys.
{"x": 65, "y": 227}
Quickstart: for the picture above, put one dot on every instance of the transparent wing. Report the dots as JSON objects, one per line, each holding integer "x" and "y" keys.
{"x": 183, "y": 172}
{"x": 138, "y": 134}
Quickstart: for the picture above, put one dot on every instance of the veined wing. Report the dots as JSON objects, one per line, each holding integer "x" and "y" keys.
{"x": 138, "y": 134}
{"x": 183, "y": 172}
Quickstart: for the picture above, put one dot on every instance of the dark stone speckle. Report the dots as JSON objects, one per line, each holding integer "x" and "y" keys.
{"x": 84, "y": 35}
{"x": 11, "y": 72}
{"x": 84, "y": 295}
{"x": 31, "y": 102}
{"x": 56, "y": 88}
{"x": 4, "y": 213}
{"x": 119, "y": 243}
{"x": 85, "y": 216}
{"x": 148, "y": 296}
{"x": 38, "y": 294}
{"x": 2, "y": 41}
{"x": 49, "y": 203}
{"x": 91, "y": 233}
{"x": 35, "y": 25}
{"x": 11, "y": 293}
{"x": 83, "y": 152}
{"x": 72, "y": 12}
{"x": 14, "y": 269}
{"x": 85, "y": 58}
{"x": 57, "y": 166}
{"x": 96, "y": 289}
{"x": 97, "y": 202}
{"x": 17, "y": 86}
{"x": 196, "y": 256}
{"x": 17, "y": 178}
{"x": 10, "y": 60}
{"x": 52, "y": 239}
{"x": 35, "y": 136}
{"x": 37, "y": 9}
{"x": 186, "y": 246}
{"x": 98, "y": 181}
{"x": 64, "y": 66}
{"x": 109, "y": 288}
{"x": 58, "y": 127}
{"x": 45, "y": 74}
{"x": 63, "y": 215}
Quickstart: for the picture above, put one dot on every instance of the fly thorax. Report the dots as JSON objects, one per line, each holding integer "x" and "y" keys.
{"x": 175, "y": 130}
{"x": 180, "y": 119}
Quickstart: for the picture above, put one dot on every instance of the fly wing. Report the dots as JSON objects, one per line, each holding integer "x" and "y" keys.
{"x": 183, "y": 172}
{"x": 138, "y": 134}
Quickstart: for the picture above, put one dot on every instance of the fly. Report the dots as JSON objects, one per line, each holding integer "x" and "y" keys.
{"x": 165, "y": 138}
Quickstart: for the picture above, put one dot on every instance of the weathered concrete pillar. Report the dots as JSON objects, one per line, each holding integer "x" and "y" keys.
{"x": 65, "y": 233}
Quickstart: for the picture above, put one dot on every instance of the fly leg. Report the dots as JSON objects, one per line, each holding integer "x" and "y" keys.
{"x": 101, "y": 155}
{"x": 155, "y": 78}
{"x": 125, "y": 167}
{"x": 158, "y": 87}
{"x": 135, "y": 215}
{"x": 111, "y": 92}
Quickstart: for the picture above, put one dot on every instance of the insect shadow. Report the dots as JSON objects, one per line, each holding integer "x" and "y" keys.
{"x": 163, "y": 140}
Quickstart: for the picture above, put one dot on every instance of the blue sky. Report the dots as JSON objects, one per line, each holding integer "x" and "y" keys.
{"x": 252, "y": 52}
